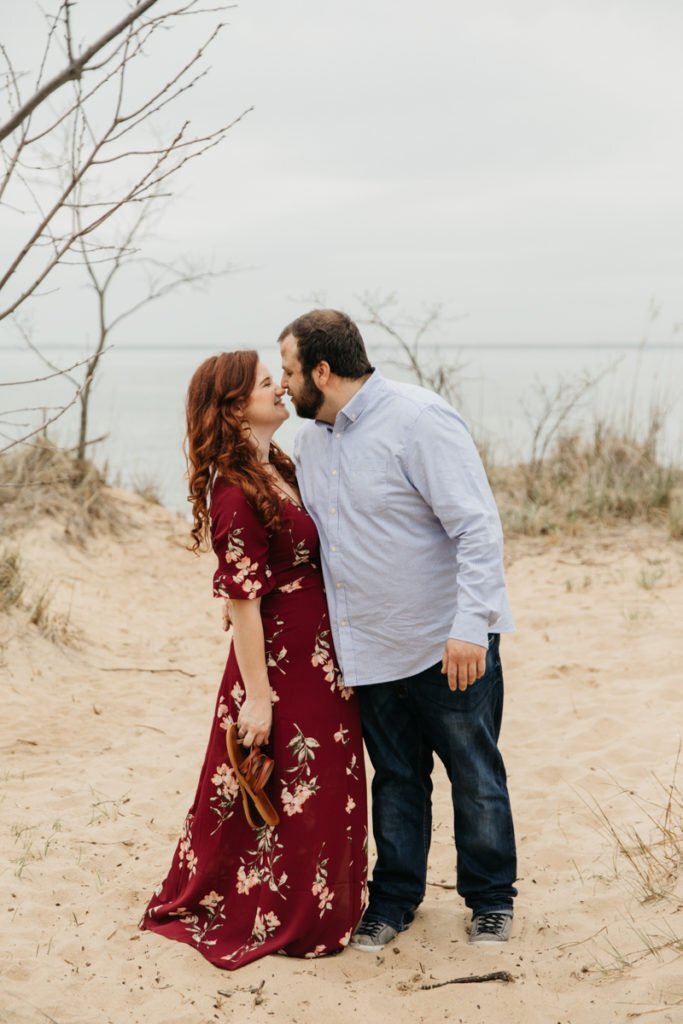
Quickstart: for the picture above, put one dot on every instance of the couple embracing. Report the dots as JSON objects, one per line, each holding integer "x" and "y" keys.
{"x": 367, "y": 598}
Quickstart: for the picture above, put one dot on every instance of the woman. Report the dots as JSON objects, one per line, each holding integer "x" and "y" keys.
{"x": 298, "y": 888}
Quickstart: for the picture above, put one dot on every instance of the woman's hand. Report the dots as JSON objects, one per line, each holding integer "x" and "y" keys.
{"x": 254, "y": 721}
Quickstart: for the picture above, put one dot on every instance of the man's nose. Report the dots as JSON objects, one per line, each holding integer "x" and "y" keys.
{"x": 279, "y": 390}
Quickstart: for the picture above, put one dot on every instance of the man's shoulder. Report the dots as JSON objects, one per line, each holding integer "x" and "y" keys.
{"x": 412, "y": 399}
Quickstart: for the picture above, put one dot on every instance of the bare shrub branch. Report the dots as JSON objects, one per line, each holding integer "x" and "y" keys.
{"x": 408, "y": 334}
{"x": 100, "y": 151}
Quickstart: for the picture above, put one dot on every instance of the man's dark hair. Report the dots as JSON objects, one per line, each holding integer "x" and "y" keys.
{"x": 330, "y": 335}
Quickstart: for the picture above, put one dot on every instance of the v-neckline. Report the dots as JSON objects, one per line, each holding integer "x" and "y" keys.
{"x": 289, "y": 497}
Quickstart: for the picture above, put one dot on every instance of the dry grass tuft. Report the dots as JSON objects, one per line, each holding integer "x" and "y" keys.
{"x": 655, "y": 860}
{"x": 606, "y": 477}
{"x": 39, "y": 479}
{"x": 648, "y": 860}
{"x": 54, "y": 626}
{"x": 148, "y": 487}
{"x": 11, "y": 580}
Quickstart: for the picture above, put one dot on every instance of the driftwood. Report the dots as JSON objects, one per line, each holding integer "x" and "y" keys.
{"x": 472, "y": 979}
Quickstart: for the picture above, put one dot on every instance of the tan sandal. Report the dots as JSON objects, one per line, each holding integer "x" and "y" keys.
{"x": 253, "y": 771}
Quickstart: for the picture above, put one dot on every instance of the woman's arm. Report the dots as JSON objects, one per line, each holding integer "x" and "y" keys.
{"x": 256, "y": 715}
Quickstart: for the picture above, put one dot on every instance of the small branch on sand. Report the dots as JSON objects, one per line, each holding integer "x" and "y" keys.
{"x": 472, "y": 978}
{"x": 442, "y": 885}
{"x": 137, "y": 668}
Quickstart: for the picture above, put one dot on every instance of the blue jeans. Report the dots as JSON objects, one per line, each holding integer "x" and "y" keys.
{"x": 404, "y": 724}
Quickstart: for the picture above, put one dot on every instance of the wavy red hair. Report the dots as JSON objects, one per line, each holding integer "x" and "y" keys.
{"x": 217, "y": 443}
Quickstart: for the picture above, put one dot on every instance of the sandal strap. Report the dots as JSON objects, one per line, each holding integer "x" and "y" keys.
{"x": 256, "y": 769}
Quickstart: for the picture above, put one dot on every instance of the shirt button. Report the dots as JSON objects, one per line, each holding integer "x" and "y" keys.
{"x": 332, "y": 510}
{"x": 334, "y": 472}
{"x": 344, "y": 622}
{"x": 339, "y": 586}
{"x": 333, "y": 547}
{"x": 337, "y": 434}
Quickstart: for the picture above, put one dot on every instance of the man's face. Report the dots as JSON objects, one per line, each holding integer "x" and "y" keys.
{"x": 306, "y": 397}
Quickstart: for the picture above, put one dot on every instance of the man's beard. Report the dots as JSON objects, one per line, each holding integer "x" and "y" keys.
{"x": 308, "y": 403}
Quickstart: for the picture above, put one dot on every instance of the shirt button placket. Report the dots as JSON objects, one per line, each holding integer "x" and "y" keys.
{"x": 334, "y": 533}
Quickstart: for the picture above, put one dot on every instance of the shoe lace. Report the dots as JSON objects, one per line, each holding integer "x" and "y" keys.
{"x": 371, "y": 928}
{"x": 490, "y": 924}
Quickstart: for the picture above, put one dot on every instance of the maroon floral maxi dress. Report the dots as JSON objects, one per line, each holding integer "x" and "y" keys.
{"x": 233, "y": 893}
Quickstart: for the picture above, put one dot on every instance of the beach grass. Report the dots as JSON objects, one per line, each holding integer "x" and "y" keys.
{"x": 602, "y": 475}
{"x": 41, "y": 480}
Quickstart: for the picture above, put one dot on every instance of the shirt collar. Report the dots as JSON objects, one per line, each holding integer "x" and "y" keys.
{"x": 363, "y": 398}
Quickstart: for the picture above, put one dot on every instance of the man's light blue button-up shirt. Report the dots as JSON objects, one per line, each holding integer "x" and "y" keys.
{"x": 411, "y": 541}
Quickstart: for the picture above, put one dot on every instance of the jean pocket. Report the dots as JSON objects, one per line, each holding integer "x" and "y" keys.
{"x": 434, "y": 688}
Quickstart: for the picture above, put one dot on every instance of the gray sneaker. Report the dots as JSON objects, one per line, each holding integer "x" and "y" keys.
{"x": 372, "y": 936}
{"x": 491, "y": 927}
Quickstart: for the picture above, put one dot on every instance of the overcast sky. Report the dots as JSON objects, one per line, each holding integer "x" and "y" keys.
{"x": 519, "y": 162}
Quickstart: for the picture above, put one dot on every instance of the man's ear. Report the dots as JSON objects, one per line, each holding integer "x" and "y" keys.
{"x": 322, "y": 373}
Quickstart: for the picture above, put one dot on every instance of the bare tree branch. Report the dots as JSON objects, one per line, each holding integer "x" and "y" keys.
{"x": 434, "y": 374}
{"x": 106, "y": 165}
{"x": 39, "y": 380}
{"x": 73, "y": 70}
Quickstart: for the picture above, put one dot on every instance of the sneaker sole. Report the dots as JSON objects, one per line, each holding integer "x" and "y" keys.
{"x": 364, "y": 948}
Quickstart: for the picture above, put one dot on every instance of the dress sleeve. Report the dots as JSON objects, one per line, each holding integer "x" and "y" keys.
{"x": 241, "y": 545}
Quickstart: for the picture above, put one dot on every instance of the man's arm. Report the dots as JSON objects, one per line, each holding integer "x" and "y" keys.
{"x": 445, "y": 468}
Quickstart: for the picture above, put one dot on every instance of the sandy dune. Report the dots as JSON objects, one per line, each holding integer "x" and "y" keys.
{"x": 102, "y": 742}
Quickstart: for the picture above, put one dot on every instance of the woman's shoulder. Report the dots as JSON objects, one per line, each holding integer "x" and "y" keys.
{"x": 225, "y": 494}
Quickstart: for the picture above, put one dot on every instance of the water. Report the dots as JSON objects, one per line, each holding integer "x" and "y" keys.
{"x": 139, "y": 393}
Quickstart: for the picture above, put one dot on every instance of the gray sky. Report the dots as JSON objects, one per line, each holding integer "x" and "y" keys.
{"x": 519, "y": 162}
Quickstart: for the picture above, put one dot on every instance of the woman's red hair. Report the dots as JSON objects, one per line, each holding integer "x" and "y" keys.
{"x": 217, "y": 443}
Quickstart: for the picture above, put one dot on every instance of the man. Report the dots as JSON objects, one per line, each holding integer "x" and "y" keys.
{"x": 412, "y": 560}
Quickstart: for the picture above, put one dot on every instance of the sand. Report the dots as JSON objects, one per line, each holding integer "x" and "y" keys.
{"x": 102, "y": 740}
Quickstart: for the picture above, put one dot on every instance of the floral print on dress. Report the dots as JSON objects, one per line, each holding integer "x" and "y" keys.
{"x": 276, "y": 652}
{"x": 185, "y": 851}
{"x": 234, "y": 893}
{"x": 264, "y": 927}
{"x": 319, "y": 887}
{"x": 227, "y": 791}
{"x": 245, "y": 570}
{"x": 289, "y": 588}
{"x": 201, "y": 924}
{"x": 301, "y": 553}
{"x": 341, "y": 735}
{"x": 262, "y": 869}
{"x": 302, "y": 784}
{"x": 323, "y": 656}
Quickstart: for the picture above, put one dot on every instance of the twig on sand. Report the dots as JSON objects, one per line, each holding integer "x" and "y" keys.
{"x": 470, "y": 978}
{"x": 138, "y": 668}
{"x": 442, "y": 885}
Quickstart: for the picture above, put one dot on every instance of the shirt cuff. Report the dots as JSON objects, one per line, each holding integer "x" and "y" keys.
{"x": 473, "y": 629}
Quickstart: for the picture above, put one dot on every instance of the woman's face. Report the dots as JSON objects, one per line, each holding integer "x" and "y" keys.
{"x": 265, "y": 408}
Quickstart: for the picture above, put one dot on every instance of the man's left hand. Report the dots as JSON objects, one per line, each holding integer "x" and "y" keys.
{"x": 463, "y": 663}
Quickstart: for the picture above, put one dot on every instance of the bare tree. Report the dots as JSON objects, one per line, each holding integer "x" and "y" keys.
{"x": 409, "y": 335}
{"x": 104, "y": 150}
{"x": 104, "y": 266}
{"x": 549, "y": 422}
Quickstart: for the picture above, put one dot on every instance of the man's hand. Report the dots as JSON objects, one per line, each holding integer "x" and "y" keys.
{"x": 463, "y": 663}
{"x": 254, "y": 721}
{"x": 226, "y": 612}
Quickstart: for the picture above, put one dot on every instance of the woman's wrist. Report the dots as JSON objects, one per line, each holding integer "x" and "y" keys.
{"x": 258, "y": 689}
